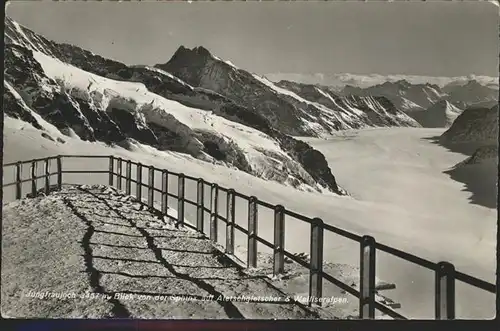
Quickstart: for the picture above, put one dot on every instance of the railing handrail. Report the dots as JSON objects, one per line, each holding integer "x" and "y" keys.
{"x": 445, "y": 272}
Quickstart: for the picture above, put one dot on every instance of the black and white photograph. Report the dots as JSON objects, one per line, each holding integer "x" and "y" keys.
{"x": 261, "y": 160}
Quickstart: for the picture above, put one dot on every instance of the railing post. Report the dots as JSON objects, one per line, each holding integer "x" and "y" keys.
{"x": 445, "y": 291}
{"x": 128, "y": 178}
{"x": 180, "y": 199}
{"x": 200, "y": 205}
{"x": 230, "y": 205}
{"x": 33, "y": 178}
{"x": 252, "y": 232}
{"x": 214, "y": 207}
{"x": 316, "y": 256}
{"x": 367, "y": 278}
{"x": 279, "y": 240}
{"x": 164, "y": 192}
{"x": 119, "y": 177}
{"x": 47, "y": 176}
{"x": 18, "y": 180}
{"x": 59, "y": 172}
{"x": 138, "y": 189}
{"x": 111, "y": 169}
{"x": 151, "y": 184}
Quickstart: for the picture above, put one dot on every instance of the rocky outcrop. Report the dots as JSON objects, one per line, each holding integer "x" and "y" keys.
{"x": 312, "y": 160}
{"x": 15, "y": 107}
{"x": 474, "y": 125}
{"x": 481, "y": 155}
{"x": 24, "y": 74}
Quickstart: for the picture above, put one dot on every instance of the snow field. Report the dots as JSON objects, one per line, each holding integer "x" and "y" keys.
{"x": 408, "y": 216}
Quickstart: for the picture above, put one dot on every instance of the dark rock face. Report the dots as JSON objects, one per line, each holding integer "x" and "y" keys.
{"x": 474, "y": 125}
{"x": 105, "y": 129}
{"x": 25, "y": 74}
{"x": 127, "y": 123}
{"x": 242, "y": 115}
{"x": 223, "y": 150}
{"x": 46, "y": 136}
{"x": 64, "y": 113}
{"x": 213, "y": 150}
{"x": 14, "y": 108}
{"x": 190, "y": 64}
{"x": 312, "y": 160}
{"x": 167, "y": 140}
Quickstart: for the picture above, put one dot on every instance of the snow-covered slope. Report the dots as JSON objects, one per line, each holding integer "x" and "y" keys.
{"x": 202, "y": 133}
{"x": 403, "y": 201}
{"x": 149, "y": 106}
{"x": 286, "y": 110}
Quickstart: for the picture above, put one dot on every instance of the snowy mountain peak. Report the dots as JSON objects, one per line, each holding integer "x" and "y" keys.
{"x": 196, "y": 55}
{"x": 403, "y": 83}
{"x": 198, "y": 50}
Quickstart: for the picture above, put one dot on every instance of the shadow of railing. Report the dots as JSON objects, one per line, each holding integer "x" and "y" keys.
{"x": 163, "y": 186}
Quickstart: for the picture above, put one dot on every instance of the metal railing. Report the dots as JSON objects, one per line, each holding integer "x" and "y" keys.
{"x": 445, "y": 273}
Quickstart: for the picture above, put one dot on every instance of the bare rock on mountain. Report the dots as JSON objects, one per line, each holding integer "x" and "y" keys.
{"x": 440, "y": 115}
{"x": 475, "y": 125}
{"x": 481, "y": 154}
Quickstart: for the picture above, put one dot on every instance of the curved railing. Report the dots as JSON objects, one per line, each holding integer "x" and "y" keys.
{"x": 445, "y": 273}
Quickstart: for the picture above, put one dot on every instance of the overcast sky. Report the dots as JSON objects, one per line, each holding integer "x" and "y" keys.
{"x": 415, "y": 38}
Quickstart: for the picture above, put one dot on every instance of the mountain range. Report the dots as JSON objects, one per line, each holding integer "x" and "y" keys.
{"x": 195, "y": 103}
{"x": 200, "y": 105}
{"x": 338, "y": 81}
{"x": 429, "y": 104}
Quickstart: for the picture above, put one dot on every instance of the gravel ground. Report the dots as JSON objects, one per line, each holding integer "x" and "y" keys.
{"x": 92, "y": 252}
